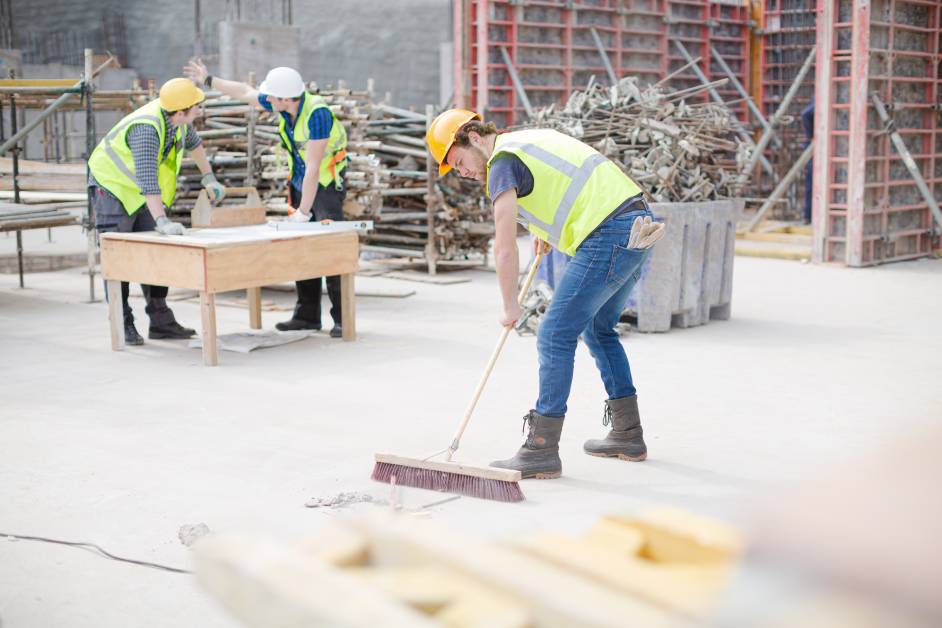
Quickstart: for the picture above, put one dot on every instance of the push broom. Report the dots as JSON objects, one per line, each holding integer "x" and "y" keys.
{"x": 453, "y": 477}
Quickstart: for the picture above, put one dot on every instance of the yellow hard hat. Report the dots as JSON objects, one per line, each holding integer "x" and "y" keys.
{"x": 441, "y": 134}
{"x": 180, "y": 93}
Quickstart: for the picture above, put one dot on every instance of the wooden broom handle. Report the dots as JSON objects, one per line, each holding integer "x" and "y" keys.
{"x": 490, "y": 364}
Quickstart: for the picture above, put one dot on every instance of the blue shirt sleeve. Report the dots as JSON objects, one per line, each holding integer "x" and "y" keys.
{"x": 508, "y": 171}
{"x": 320, "y": 123}
{"x": 263, "y": 101}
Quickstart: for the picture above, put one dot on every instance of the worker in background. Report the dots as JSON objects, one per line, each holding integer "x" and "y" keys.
{"x": 316, "y": 142}
{"x": 135, "y": 166}
{"x": 807, "y": 121}
{"x": 575, "y": 200}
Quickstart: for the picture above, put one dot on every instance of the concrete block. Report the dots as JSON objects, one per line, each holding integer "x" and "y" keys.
{"x": 687, "y": 281}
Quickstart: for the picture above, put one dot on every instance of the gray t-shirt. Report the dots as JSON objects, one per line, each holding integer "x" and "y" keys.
{"x": 508, "y": 171}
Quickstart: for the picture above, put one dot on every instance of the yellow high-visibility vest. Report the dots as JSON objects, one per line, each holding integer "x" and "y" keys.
{"x": 112, "y": 163}
{"x": 575, "y": 187}
{"x": 335, "y": 156}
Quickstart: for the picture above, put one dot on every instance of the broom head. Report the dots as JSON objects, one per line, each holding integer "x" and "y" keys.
{"x": 449, "y": 477}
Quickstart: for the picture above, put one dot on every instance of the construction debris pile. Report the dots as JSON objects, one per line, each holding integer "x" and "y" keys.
{"x": 389, "y": 178}
{"x": 677, "y": 150}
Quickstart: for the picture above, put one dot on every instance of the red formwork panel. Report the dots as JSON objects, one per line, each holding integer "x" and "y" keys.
{"x": 551, "y": 46}
{"x": 688, "y": 21}
{"x": 644, "y": 40}
{"x": 730, "y": 26}
{"x": 788, "y": 31}
{"x": 867, "y": 208}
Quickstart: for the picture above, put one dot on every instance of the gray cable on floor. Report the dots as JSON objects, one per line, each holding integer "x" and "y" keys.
{"x": 95, "y": 548}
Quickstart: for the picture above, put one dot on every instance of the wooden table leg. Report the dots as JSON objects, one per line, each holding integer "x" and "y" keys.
{"x": 254, "y": 297}
{"x": 208, "y": 309}
{"x": 348, "y": 307}
{"x": 115, "y": 314}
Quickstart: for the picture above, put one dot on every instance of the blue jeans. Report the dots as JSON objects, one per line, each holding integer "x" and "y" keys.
{"x": 589, "y": 301}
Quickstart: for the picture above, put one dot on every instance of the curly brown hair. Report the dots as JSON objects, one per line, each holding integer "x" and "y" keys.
{"x": 481, "y": 128}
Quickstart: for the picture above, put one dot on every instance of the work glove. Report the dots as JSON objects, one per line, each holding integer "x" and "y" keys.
{"x": 645, "y": 233}
{"x": 214, "y": 187}
{"x": 168, "y": 227}
{"x": 298, "y": 216}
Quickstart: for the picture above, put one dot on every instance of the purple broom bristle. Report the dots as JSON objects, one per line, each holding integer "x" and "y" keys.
{"x": 482, "y": 488}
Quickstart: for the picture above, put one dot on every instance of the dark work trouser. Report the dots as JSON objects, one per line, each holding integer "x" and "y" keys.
{"x": 327, "y": 204}
{"x": 110, "y": 215}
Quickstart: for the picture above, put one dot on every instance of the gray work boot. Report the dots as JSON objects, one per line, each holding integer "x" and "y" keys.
{"x": 625, "y": 440}
{"x": 539, "y": 456}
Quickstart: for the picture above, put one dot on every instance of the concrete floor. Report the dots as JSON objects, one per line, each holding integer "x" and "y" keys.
{"x": 121, "y": 449}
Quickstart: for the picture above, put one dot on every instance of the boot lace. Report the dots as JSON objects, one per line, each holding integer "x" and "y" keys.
{"x": 527, "y": 418}
{"x": 607, "y": 415}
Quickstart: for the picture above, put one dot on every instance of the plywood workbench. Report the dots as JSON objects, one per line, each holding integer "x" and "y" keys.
{"x": 219, "y": 260}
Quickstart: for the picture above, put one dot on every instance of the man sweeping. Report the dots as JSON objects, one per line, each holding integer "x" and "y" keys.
{"x": 317, "y": 146}
{"x": 574, "y": 199}
{"x": 133, "y": 180}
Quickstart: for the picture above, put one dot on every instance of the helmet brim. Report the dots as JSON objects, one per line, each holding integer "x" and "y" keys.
{"x": 267, "y": 91}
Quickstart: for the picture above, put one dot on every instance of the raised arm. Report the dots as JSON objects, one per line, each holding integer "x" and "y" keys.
{"x": 197, "y": 72}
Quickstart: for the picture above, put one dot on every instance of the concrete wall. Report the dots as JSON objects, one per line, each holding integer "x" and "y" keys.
{"x": 249, "y": 47}
{"x": 396, "y": 42}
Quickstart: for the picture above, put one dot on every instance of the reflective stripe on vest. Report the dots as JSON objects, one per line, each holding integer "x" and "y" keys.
{"x": 114, "y": 172}
{"x": 574, "y": 186}
{"x": 579, "y": 177}
{"x": 335, "y": 154}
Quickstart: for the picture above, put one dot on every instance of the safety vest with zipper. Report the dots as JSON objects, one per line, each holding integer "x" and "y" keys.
{"x": 575, "y": 187}
{"x": 112, "y": 162}
{"x": 335, "y": 155}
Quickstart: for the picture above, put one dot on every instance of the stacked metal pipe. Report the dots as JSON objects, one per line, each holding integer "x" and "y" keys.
{"x": 422, "y": 215}
{"x": 676, "y": 149}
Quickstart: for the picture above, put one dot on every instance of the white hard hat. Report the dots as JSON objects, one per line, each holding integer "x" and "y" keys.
{"x": 282, "y": 83}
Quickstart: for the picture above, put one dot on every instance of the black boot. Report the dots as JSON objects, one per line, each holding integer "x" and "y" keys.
{"x": 131, "y": 337}
{"x": 163, "y": 324}
{"x": 303, "y": 318}
{"x": 625, "y": 440}
{"x": 336, "y": 331}
{"x": 539, "y": 456}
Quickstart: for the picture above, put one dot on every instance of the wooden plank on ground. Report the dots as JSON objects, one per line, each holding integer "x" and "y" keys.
{"x": 30, "y": 166}
{"x": 409, "y": 275}
{"x": 555, "y": 597}
{"x": 688, "y": 589}
{"x": 268, "y": 586}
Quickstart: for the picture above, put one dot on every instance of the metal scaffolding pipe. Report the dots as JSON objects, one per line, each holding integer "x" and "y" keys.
{"x": 741, "y": 90}
{"x": 740, "y": 130}
{"x": 58, "y": 102}
{"x": 608, "y": 64}
{"x": 908, "y": 160}
{"x": 779, "y": 112}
